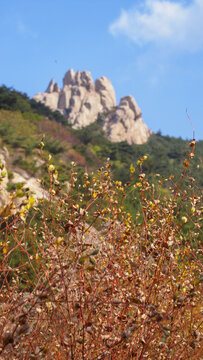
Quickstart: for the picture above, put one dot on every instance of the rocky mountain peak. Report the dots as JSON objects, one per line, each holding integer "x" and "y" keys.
{"x": 125, "y": 123}
{"x": 56, "y": 88}
{"x": 79, "y": 78}
{"x": 52, "y": 87}
{"x": 129, "y": 102}
{"x": 106, "y": 91}
{"x": 81, "y": 101}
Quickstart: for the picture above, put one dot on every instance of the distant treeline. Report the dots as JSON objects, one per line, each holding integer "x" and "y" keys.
{"x": 13, "y": 100}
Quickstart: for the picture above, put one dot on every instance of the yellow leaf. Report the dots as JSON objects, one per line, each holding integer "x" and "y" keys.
{"x": 132, "y": 169}
{"x": 51, "y": 168}
{"x": 58, "y": 241}
{"x": 5, "y": 250}
{"x": 22, "y": 216}
{"x": 3, "y": 174}
{"x": 19, "y": 193}
{"x": 31, "y": 201}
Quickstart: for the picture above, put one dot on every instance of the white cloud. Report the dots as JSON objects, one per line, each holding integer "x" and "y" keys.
{"x": 169, "y": 23}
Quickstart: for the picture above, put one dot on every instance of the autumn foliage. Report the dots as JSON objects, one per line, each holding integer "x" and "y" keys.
{"x": 83, "y": 279}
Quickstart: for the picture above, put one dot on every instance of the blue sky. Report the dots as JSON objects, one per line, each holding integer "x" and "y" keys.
{"x": 151, "y": 49}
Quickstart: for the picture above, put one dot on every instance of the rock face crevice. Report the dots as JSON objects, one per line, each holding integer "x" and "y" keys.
{"x": 81, "y": 101}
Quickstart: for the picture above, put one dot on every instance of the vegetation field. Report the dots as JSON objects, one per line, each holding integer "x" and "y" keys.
{"x": 109, "y": 264}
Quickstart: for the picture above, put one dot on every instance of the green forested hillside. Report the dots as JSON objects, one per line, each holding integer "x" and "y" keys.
{"x": 23, "y": 122}
{"x": 13, "y": 100}
{"x": 165, "y": 153}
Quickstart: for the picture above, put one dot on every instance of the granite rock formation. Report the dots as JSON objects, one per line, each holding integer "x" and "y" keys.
{"x": 126, "y": 124}
{"x": 81, "y": 101}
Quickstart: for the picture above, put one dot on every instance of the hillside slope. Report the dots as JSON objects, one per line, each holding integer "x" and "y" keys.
{"x": 24, "y": 123}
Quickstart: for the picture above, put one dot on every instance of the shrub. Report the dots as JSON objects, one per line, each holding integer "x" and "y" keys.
{"x": 11, "y": 187}
{"x": 10, "y": 175}
{"x": 53, "y": 146}
{"x": 91, "y": 282}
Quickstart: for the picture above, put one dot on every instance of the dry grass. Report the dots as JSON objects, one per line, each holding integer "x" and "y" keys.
{"x": 89, "y": 282}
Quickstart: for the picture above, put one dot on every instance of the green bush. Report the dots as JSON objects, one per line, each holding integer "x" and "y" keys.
{"x": 53, "y": 146}
{"x": 11, "y": 99}
{"x": 10, "y": 175}
{"x": 11, "y": 187}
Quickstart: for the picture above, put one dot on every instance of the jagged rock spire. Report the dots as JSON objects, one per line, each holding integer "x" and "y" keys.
{"x": 81, "y": 101}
